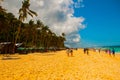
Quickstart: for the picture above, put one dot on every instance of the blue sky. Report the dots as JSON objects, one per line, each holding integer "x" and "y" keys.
{"x": 102, "y": 20}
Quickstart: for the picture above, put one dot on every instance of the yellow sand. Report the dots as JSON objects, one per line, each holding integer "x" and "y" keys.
{"x": 58, "y": 66}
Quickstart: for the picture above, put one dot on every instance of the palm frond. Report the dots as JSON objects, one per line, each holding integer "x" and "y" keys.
{"x": 30, "y": 14}
{"x": 33, "y": 12}
{"x": 25, "y": 15}
{"x": 20, "y": 10}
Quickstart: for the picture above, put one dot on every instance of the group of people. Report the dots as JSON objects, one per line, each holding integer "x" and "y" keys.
{"x": 70, "y": 52}
{"x": 110, "y": 52}
{"x": 86, "y": 51}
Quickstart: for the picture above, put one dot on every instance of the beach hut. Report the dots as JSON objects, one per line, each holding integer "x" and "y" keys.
{"x": 6, "y": 48}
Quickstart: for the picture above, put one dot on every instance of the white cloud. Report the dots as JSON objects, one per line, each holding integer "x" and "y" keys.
{"x": 77, "y": 39}
{"x": 12, "y": 6}
{"x": 73, "y": 40}
{"x": 57, "y": 14}
{"x": 78, "y": 4}
{"x": 41, "y": 3}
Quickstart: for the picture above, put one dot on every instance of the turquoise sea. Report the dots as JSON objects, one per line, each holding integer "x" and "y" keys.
{"x": 116, "y": 48}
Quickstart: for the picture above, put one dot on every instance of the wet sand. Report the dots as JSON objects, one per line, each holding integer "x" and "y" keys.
{"x": 58, "y": 66}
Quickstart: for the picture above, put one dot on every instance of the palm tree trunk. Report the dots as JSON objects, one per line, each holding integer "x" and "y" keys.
{"x": 16, "y": 38}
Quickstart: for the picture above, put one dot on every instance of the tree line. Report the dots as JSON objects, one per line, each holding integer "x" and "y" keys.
{"x": 31, "y": 34}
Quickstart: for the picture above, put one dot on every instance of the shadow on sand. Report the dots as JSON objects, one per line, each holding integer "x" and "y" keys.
{"x": 10, "y": 58}
{"x": 47, "y": 54}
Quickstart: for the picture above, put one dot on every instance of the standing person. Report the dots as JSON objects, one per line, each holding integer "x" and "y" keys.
{"x": 109, "y": 52}
{"x": 99, "y": 50}
{"x": 71, "y": 52}
{"x": 87, "y": 50}
{"x": 68, "y": 52}
{"x": 84, "y": 50}
{"x": 113, "y": 52}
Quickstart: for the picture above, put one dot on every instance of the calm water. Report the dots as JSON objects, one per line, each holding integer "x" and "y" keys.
{"x": 117, "y": 49}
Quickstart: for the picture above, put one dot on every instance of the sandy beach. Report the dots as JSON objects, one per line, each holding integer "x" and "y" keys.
{"x": 58, "y": 66}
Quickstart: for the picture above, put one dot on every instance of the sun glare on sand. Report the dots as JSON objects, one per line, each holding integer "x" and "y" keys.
{"x": 58, "y": 66}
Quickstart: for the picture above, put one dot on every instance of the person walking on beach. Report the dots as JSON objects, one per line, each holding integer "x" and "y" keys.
{"x": 69, "y": 52}
{"x": 109, "y": 52}
{"x": 113, "y": 52}
{"x": 86, "y": 50}
{"x": 99, "y": 50}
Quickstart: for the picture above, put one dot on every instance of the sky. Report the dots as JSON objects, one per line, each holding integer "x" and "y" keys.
{"x": 102, "y": 18}
{"x": 86, "y": 23}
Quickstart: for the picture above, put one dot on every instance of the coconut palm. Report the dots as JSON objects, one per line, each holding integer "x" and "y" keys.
{"x": 32, "y": 29}
{"x": 24, "y": 11}
{"x": 1, "y": 9}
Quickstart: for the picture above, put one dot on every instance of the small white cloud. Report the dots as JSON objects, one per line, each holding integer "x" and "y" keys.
{"x": 73, "y": 38}
{"x": 41, "y": 3}
{"x": 60, "y": 1}
{"x": 67, "y": 45}
{"x": 77, "y": 39}
{"x": 78, "y": 4}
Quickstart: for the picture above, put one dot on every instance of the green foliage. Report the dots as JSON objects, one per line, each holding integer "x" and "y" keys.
{"x": 24, "y": 10}
{"x": 31, "y": 34}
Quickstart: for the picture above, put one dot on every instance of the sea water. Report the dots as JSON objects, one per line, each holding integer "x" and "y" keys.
{"x": 116, "y": 48}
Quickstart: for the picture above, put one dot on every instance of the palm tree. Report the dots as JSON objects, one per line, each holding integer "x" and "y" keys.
{"x": 4, "y": 20}
{"x": 32, "y": 29}
{"x": 1, "y": 9}
{"x": 63, "y": 39}
{"x": 46, "y": 32}
{"x": 63, "y": 36}
{"x": 24, "y": 11}
{"x": 40, "y": 25}
{"x": 11, "y": 26}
